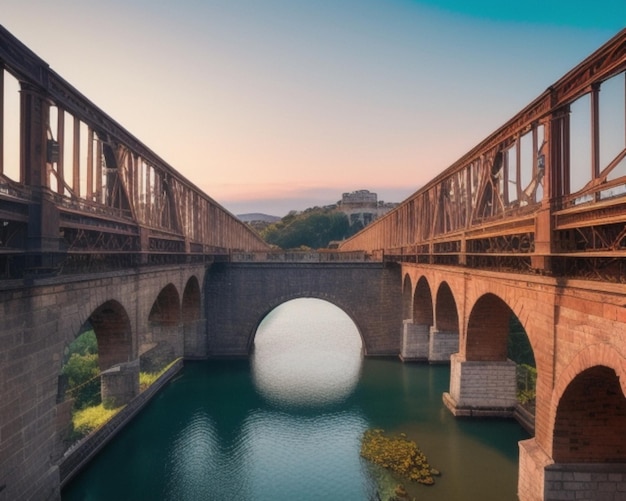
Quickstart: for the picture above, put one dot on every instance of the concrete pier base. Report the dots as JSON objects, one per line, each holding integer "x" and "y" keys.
{"x": 415, "y": 341}
{"x": 120, "y": 384}
{"x": 442, "y": 344}
{"x": 481, "y": 388}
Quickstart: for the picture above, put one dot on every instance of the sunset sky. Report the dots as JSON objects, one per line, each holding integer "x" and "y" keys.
{"x": 273, "y": 105}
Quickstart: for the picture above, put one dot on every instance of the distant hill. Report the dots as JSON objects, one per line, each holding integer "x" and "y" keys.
{"x": 256, "y": 216}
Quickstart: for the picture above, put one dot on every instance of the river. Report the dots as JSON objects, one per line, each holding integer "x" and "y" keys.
{"x": 287, "y": 425}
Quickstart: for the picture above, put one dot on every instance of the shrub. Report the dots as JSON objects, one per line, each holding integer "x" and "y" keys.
{"x": 90, "y": 418}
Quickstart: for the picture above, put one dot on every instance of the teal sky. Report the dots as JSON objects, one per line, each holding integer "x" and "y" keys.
{"x": 276, "y": 105}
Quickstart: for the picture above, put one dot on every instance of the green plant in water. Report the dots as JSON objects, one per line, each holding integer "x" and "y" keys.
{"x": 398, "y": 454}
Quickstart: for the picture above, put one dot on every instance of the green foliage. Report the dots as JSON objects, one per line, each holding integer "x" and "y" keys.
{"x": 90, "y": 418}
{"x": 314, "y": 228}
{"x": 526, "y": 384}
{"x": 84, "y": 344}
{"x": 398, "y": 454}
{"x": 521, "y": 352}
{"x": 519, "y": 348}
{"x": 81, "y": 370}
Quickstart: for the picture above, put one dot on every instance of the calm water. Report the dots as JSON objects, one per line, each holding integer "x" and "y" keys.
{"x": 287, "y": 424}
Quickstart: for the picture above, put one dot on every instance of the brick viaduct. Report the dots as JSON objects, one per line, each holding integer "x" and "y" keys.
{"x": 188, "y": 311}
{"x": 577, "y": 331}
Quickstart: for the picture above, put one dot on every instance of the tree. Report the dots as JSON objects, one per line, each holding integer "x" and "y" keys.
{"x": 314, "y": 228}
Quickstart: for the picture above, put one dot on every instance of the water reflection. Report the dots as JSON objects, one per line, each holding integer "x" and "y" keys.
{"x": 310, "y": 357}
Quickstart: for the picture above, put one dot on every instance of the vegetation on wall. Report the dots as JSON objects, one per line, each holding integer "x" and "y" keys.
{"x": 314, "y": 229}
{"x": 82, "y": 372}
{"x": 521, "y": 352}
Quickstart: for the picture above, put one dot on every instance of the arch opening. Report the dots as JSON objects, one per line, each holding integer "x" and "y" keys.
{"x": 163, "y": 343}
{"x": 407, "y": 299}
{"x": 590, "y": 424}
{"x": 307, "y": 353}
{"x": 447, "y": 317}
{"x": 423, "y": 303}
{"x": 194, "y": 343}
{"x": 86, "y": 399}
{"x": 498, "y": 348}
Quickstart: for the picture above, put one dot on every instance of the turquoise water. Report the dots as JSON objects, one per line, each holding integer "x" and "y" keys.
{"x": 287, "y": 424}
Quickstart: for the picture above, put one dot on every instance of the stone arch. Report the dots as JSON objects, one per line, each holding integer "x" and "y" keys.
{"x": 194, "y": 340}
{"x": 276, "y": 302}
{"x": 407, "y": 298}
{"x": 590, "y": 420}
{"x": 446, "y": 313}
{"x": 111, "y": 324}
{"x": 165, "y": 341}
{"x": 166, "y": 308}
{"x": 423, "y": 303}
{"x": 192, "y": 301}
{"x": 488, "y": 329}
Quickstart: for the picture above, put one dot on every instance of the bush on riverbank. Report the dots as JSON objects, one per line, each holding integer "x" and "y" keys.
{"x": 90, "y": 418}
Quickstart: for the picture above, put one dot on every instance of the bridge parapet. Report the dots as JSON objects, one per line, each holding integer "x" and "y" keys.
{"x": 304, "y": 256}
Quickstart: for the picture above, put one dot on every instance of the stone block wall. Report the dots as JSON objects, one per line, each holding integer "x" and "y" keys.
{"x": 442, "y": 345}
{"x": 593, "y": 482}
{"x": 415, "y": 341}
{"x": 239, "y": 296}
{"x": 480, "y": 385}
{"x": 39, "y": 319}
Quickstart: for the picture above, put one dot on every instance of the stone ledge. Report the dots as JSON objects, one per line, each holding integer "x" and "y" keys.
{"x": 77, "y": 457}
{"x": 457, "y": 411}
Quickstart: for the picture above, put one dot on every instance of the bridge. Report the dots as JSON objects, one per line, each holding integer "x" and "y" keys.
{"x": 98, "y": 231}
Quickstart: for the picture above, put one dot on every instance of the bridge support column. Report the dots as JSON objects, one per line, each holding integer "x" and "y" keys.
{"x": 196, "y": 343}
{"x": 442, "y": 345}
{"x": 539, "y": 478}
{"x": 415, "y": 341}
{"x": 481, "y": 388}
{"x": 531, "y": 474}
{"x": 120, "y": 384}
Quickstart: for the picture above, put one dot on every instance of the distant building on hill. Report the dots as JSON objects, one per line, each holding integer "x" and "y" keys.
{"x": 362, "y": 207}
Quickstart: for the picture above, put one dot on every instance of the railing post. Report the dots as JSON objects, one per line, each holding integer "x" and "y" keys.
{"x": 43, "y": 246}
{"x": 548, "y": 159}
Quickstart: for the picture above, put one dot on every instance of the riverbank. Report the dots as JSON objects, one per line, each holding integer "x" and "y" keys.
{"x": 79, "y": 454}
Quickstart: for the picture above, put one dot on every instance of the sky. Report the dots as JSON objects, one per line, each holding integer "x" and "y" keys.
{"x": 277, "y": 105}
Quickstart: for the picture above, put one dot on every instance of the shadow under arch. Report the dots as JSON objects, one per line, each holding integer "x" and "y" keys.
{"x": 166, "y": 309}
{"x": 590, "y": 424}
{"x": 307, "y": 353}
{"x": 407, "y": 298}
{"x": 488, "y": 329}
{"x": 484, "y": 378}
{"x": 112, "y": 326}
{"x": 164, "y": 342}
{"x": 446, "y": 311}
{"x": 423, "y": 303}
{"x": 194, "y": 343}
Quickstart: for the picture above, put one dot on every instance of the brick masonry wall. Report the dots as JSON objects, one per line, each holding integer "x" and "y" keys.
{"x": 39, "y": 320}
{"x": 592, "y": 482}
{"x": 238, "y": 296}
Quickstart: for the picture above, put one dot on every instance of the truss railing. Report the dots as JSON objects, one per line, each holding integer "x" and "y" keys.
{"x": 86, "y": 190}
{"x": 546, "y": 192}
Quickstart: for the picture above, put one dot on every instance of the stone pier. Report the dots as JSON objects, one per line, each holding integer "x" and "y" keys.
{"x": 415, "y": 341}
{"x": 481, "y": 388}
